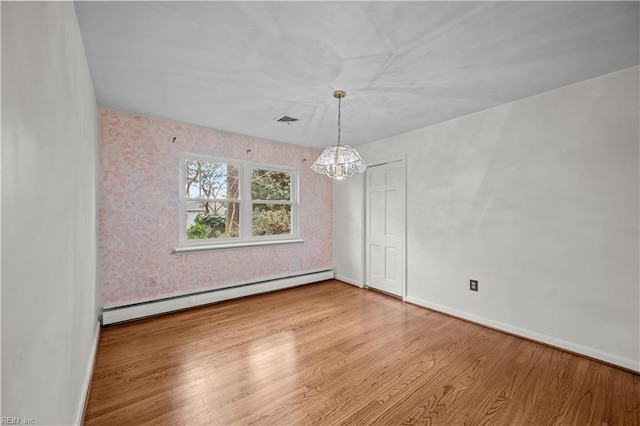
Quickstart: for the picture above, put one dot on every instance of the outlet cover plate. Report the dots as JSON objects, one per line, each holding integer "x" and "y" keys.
{"x": 473, "y": 285}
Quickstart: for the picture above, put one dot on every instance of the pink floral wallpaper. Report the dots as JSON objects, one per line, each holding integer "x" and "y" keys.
{"x": 138, "y": 211}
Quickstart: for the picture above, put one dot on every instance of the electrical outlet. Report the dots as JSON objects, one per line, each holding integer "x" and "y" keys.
{"x": 473, "y": 285}
{"x": 153, "y": 281}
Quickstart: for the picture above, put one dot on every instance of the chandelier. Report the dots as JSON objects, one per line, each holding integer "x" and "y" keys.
{"x": 339, "y": 161}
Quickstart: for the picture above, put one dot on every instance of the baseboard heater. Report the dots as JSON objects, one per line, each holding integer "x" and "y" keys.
{"x": 162, "y": 306}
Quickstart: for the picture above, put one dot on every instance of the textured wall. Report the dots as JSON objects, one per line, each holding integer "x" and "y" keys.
{"x": 139, "y": 207}
{"x": 538, "y": 200}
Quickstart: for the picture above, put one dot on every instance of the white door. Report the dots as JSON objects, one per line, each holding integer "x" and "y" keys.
{"x": 385, "y": 227}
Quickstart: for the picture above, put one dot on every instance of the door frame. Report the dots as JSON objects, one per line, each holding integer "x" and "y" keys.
{"x": 403, "y": 161}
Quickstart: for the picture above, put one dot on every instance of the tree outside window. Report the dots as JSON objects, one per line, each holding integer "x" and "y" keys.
{"x": 213, "y": 208}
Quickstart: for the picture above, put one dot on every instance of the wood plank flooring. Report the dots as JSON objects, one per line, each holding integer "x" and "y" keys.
{"x": 330, "y": 353}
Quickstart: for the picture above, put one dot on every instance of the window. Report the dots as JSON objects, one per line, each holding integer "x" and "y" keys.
{"x": 228, "y": 203}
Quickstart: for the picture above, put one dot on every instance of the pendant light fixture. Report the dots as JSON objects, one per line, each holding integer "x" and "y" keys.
{"x": 339, "y": 161}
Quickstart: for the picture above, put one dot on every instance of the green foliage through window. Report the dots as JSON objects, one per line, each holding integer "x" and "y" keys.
{"x": 213, "y": 225}
{"x": 270, "y": 185}
{"x": 271, "y": 219}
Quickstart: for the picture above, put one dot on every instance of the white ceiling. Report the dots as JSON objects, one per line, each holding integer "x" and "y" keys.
{"x": 237, "y": 66}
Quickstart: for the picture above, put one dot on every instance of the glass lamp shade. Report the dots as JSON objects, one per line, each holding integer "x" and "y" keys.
{"x": 339, "y": 162}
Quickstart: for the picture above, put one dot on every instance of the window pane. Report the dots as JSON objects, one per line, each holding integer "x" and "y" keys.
{"x": 212, "y": 220}
{"x": 206, "y": 179}
{"x": 270, "y": 185}
{"x": 271, "y": 219}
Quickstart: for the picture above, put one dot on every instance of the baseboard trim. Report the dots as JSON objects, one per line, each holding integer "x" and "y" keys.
{"x": 171, "y": 304}
{"x": 627, "y": 364}
{"x": 349, "y": 281}
{"x": 86, "y": 385}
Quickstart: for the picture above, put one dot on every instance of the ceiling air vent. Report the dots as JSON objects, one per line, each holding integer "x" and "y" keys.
{"x": 283, "y": 118}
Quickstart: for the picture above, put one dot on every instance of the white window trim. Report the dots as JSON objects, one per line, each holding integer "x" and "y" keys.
{"x": 246, "y": 209}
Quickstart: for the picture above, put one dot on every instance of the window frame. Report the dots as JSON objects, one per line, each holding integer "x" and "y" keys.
{"x": 246, "y": 237}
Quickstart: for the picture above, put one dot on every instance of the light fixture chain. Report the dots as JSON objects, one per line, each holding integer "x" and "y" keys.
{"x": 339, "y": 114}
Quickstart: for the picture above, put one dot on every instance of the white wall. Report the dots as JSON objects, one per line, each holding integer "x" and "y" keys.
{"x": 348, "y": 230}
{"x": 538, "y": 200}
{"x": 49, "y": 145}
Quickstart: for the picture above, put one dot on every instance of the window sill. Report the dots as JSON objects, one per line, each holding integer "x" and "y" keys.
{"x": 229, "y": 246}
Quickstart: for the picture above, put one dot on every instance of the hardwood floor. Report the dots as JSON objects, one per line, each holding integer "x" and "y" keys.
{"x": 331, "y": 353}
